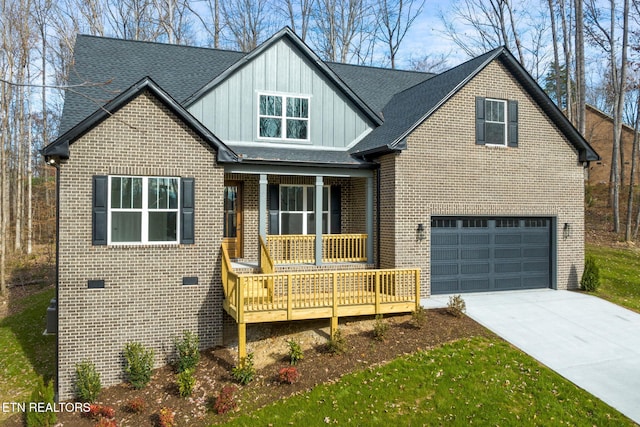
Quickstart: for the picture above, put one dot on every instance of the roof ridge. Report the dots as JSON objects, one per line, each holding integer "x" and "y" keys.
{"x": 376, "y": 67}
{"x": 151, "y": 42}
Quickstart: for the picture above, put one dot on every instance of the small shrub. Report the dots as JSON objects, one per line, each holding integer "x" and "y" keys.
{"x": 104, "y": 422}
{"x": 295, "y": 352}
{"x": 186, "y": 381}
{"x": 188, "y": 352}
{"x": 98, "y": 412}
{"x": 166, "y": 417}
{"x": 87, "y": 382}
{"x": 337, "y": 344}
{"x": 139, "y": 364}
{"x": 288, "y": 375}
{"x": 136, "y": 405}
{"x": 225, "y": 400}
{"x": 419, "y": 317}
{"x": 380, "y": 328}
{"x": 591, "y": 276}
{"x": 456, "y": 306}
{"x": 244, "y": 371}
{"x": 45, "y": 394}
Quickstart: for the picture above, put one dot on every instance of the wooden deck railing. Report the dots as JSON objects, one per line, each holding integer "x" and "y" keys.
{"x": 267, "y": 266}
{"x": 253, "y": 298}
{"x": 300, "y": 248}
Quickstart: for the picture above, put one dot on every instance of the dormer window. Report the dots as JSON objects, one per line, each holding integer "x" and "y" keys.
{"x": 283, "y": 117}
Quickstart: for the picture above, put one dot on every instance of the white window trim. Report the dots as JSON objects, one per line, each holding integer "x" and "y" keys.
{"x": 283, "y": 117}
{"x": 304, "y": 212}
{"x": 505, "y": 123}
{"x": 144, "y": 233}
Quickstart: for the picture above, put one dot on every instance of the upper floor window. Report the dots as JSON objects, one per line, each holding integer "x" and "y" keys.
{"x": 495, "y": 122}
{"x": 143, "y": 209}
{"x": 283, "y": 117}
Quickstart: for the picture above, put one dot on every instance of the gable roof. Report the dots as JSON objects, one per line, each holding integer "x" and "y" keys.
{"x": 398, "y": 101}
{"x": 60, "y": 147}
{"x": 288, "y": 34}
{"x": 402, "y": 114}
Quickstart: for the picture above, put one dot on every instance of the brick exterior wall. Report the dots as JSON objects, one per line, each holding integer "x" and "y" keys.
{"x": 143, "y": 299}
{"x": 599, "y": 133}
{"x": 443, "y": 172}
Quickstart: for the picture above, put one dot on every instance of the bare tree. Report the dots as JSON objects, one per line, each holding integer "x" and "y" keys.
{"x": 132, "y": 19}
{"x": 212, "y": 16}
{"x": 395, "y": 17}
{"x": 298, "y": 15}
{"x": 247, "y": 21}
{"x": 430, "y": 63}
{"x": 494, "y": 23}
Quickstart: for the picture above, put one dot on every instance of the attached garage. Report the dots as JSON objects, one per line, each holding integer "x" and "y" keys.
{"x": 479, "y": 254}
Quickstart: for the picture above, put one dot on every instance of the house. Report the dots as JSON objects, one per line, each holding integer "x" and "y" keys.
{"x": 204, "y": 189}
{"x": 599, "y": 133}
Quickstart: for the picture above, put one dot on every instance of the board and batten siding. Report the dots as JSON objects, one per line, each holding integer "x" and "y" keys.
{"x": 230, "y": 109}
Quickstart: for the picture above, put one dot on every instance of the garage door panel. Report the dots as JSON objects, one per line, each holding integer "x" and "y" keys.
{"x": 442, "y": 254}
{"x": 474, "y": 239}
{"x": 533, "y": 252}
{"x": 505, "y": 283}
{"x": 469, "y": 285}
{"x": 483, "y": 268}
{"x": 444, "y": 240}
{"x": 480, "y": 253}
{"x": 501, "y": 253}
{"x": 485, "y": 254}
{"x": 507, "y": 267}
{"x": 508, "y": 239}
{"x": 444, "y": 270}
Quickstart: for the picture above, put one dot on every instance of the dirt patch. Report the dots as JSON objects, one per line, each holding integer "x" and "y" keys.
{"x": 268, "y": 342}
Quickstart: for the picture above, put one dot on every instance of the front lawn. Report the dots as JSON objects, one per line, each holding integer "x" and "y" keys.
{"x": 481, "y": 381}
{"x": 619, "y": 275}
{"x": 24, "y": 352}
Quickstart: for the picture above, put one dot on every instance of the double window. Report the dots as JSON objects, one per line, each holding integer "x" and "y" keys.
{"x": 297, "y": 210}
{"x": 283, "y": 117}
{"x": 143, "y": 209}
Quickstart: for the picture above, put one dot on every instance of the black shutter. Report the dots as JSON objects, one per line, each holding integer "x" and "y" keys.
{"x": 336, "y": 210}
{"x": 273, "y": 194}
{"x": 512, "y": 131}
{"x": 187, "y": 211}
{"x": 480, "y": 118}
{"x": 99, "y": 210}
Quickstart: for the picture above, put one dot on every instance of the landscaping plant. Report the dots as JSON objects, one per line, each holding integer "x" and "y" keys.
{"x": 186, "y": 381}
{"x": 166, "y": 417}
{"x": 88, "y": 383}
{"x": 244, "y": 371}
{"x": 136, "y": 405}
{"x": 288, "y": 375}
{"x": 43, "y": 393}
{"x": 224, "y": 401}
{"x": 188, "y": 352}
{"x": 419, "y": 317}
{"x": 139, "y": 364}
{"x": 295, "y": 352}
{"x": 380, "y": 328}
{"x": 591, "y": 275}
{"x": 456, "y": 306}
{"x": 337, "y": 344}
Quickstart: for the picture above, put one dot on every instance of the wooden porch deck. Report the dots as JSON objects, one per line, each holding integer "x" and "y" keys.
{"x": 270, "y": 296}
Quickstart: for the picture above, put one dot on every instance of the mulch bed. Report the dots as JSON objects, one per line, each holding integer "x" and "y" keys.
{"x": 318, "y": 366}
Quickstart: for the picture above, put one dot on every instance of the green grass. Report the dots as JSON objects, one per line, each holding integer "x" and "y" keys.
{"x": 619, "y": 275}
{"x": 24, "y": 352}
{"x": 479, "y": 381}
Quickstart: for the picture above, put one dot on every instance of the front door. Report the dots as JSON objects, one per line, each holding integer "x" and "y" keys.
{"x": 232, "y": 238}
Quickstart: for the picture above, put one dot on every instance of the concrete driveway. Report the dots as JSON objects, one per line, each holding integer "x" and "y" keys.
{"x": 593, "y": 343}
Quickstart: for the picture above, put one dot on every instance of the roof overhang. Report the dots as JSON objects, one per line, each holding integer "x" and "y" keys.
{"x": 59, "y": 149}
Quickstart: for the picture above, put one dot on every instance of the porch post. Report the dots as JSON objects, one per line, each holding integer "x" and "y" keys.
{"x": 318, "y": 213}
{"x": 369, "y": 219}
{"x": 262, "y": 207}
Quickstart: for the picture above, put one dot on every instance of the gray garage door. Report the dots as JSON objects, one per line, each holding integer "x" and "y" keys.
{"x": 489, "y": 254}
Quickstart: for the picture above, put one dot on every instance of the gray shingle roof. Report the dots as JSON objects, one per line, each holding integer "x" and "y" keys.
{"x": 404, "y": 98}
